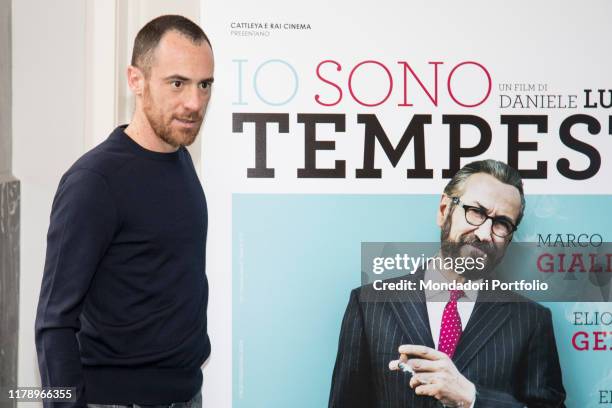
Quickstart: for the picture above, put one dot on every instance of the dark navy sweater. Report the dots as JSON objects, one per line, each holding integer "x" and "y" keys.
{"x": 122, "y": 309}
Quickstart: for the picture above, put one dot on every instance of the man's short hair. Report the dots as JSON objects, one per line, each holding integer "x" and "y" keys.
{"x": 150, "y": 35}
{"x": 501, "y": 171}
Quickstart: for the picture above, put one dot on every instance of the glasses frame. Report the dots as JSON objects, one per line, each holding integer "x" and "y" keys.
{"x": 466, "y": 207}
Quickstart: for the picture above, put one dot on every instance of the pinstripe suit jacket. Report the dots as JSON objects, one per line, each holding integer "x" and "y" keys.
{"x": 507, "y": 350}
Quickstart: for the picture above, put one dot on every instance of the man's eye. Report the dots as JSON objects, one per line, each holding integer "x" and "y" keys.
{"x": 477, "y": 213}
{"x": 177, "y": 84}
{"x": 204, "y": 85}
{"x": 505, "y": 225}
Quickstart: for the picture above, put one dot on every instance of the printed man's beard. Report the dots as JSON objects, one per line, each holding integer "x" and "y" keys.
{"x": 460, "y": 249}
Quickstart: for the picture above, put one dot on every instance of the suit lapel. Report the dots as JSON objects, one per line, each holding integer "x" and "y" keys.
{"x": 411, "y": 313}
{"x": 488, "y": 316}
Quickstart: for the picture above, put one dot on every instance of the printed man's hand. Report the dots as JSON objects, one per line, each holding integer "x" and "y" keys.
{"x": 435, "y": 375}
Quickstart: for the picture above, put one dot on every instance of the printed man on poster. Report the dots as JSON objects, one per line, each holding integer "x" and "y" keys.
{"x": 122, "y": 310}
{"x": 462, "y": 348}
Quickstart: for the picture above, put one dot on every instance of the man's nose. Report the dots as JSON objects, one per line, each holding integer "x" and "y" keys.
{"x": 193, "y": 100}
{"x": 484, "y": 231}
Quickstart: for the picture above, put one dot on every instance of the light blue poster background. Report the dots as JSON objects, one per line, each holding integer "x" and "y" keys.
{"x": 296, "y": 258}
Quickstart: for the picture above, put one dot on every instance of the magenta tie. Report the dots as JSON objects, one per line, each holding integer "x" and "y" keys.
{"x": 450, "y": 330}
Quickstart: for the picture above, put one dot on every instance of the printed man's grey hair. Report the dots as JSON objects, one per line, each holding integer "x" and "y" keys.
{"x": 501, "y": 171}
{"x": 150, "y": 35}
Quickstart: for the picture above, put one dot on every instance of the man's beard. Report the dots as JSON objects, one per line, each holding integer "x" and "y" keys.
{"x": 173, "y": 137}
{"x": 462, "y": 248}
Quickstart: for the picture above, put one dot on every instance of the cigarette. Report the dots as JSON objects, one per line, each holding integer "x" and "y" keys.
{"x": 405, "y": 367}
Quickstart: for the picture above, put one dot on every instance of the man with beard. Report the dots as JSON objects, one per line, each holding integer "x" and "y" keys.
{"x": 122, "y": 310}
{"x": 456, "y": 348}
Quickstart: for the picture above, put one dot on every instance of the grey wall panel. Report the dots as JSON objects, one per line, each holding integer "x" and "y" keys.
{"x": 9, "y": 281}
{"x": 9, "y": 217}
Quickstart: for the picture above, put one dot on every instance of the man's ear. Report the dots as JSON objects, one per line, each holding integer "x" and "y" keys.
{"x": 443, "y": 208}
{"x": 135, "y": 79}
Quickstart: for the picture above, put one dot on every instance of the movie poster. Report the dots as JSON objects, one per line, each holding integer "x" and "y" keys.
{"x": 337, "y": 124}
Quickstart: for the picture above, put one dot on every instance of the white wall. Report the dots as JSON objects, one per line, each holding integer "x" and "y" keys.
{"x": 5, "y": 83}
{"x": 48, "y": 121}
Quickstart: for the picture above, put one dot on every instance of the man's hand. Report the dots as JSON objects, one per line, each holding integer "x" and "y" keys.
{"x": 435, "y": 375}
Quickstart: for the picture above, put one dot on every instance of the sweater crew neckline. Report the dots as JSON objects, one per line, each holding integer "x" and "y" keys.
{"x": 123, "y": 138}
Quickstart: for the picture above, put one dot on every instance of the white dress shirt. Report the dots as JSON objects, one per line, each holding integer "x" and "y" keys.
{"x": 436, "y": 302}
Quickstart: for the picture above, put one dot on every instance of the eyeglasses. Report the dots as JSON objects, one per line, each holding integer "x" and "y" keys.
{"x": 476, "y": 216}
